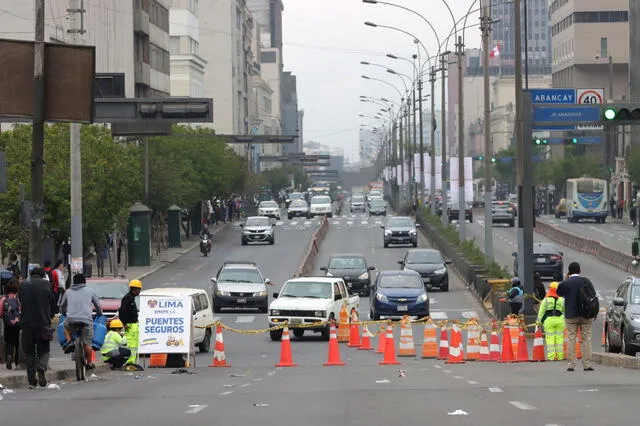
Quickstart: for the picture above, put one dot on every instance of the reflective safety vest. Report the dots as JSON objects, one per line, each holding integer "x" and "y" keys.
{"x": 112, "y": 341}
{"x": 551, "y": 307}
{"x": 518, "y": 298}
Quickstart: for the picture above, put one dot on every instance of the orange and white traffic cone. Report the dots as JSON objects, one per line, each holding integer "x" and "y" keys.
{"x": 538, "y": 346}
{"x": 579, "y": 345}
{"x": 485, "y": 355}
{"x": 507, "y": 348}
{"x": 494, "y": 346}
{"x": 286, "y": 360}
{"x": 523, "y": 350}
{"x": 334, "y": 348}
{"x": 354, "y": 330}
{"x": 382, "y": 338}
{"x": 343, "y": 326}
{"x": 219, "y": 358}
{"x": 389, "y": 349}
{"x": 366, "y": 339}
{"x": 603, "y": 339}
{"x": 429, "y": 341}
{"x": 473, "y": 335}
{"x": 456, "y": 355}
{"x": 514, "y": 332}
{"x": 407, "y": 348}
{"x": 444, "y": 345}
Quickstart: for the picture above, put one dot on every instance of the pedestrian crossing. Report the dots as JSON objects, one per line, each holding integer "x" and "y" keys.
{"x": 347, "y": 221}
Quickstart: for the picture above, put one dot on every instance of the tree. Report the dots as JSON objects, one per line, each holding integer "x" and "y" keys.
{"x": 279, "y": 178}
{"x": 557, "y": 171}
{"x": 505, "y": 172}
{"x": 633, "y": 165}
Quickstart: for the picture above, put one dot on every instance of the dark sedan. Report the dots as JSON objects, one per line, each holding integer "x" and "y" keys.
{"x": 399, "y": 293}
{"x": 430, "y": 265}
{"x": 547, "y": 260}
{"x": 454, "y": 212}
{"x": 353, "y": 269}
{"x": 622, "y": 322}
{"x": 400, "y": 230}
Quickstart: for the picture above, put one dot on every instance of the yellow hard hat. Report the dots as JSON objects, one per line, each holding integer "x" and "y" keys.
{"x": 553, "y": 285}
{"x": 116, "y": 323}
{"x": 135, "y": 284}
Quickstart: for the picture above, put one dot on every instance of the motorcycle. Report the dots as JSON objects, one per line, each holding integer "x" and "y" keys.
{"x": 205, "y": 245}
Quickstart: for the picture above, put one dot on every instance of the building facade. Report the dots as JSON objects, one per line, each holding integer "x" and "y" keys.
{"x": 290, "y": 112}
{"x": 187, "y": 66}
{"x": 269, "y": 14}
{"x": 271, "y": 72}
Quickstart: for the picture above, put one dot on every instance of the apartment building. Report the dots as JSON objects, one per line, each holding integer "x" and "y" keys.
{"x": 187, "y": 66}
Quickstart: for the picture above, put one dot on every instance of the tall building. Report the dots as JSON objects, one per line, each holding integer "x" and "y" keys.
{"x": 271, "y": 72}
{"x": 187, "y": 66}
{"x": 269, "y": 14}
{"x": 130, "y": 37}
{"x": 290, "y": 112}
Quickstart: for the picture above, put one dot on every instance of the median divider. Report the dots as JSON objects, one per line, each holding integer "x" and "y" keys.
{"x": 308, "y": 263}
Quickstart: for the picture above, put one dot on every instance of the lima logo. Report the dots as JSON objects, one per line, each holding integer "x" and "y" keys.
{"x": 165, "y": 304}
{"x": 152, "y": 303}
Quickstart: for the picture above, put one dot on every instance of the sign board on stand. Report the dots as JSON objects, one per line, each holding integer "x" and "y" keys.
{"x": 592, "y": 97}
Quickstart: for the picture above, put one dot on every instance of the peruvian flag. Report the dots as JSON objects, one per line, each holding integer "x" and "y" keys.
{"x": 495, "y": 51}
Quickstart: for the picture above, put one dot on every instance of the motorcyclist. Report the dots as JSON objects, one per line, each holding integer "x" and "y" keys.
{"x": 204, "y": 233}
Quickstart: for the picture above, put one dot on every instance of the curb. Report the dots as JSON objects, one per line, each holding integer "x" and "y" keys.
{"x": 307, "y": 264}
{"x": 20, "y": 380}
{"x": 616, "y": 360}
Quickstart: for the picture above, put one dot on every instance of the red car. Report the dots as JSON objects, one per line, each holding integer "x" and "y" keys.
{"x": 110, "y": 291}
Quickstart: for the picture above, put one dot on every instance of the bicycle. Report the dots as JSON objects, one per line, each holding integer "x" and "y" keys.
{"x": 78, "y": 352}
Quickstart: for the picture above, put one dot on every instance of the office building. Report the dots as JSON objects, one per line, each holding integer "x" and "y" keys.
{"x": 290, "y": 112}
{"x": 187, "y": 66}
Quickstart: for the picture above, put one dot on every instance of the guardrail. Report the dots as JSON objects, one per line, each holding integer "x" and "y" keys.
{"x": 308, "y": 263}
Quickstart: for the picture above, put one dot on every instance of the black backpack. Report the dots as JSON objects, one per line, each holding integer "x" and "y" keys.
{"x": 11, "y": 310}
{"x": 588, "y": 303}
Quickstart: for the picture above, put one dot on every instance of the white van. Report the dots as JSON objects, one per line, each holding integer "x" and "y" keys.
{"x": 201, "y": 309}
{"x": 320, "y": 206}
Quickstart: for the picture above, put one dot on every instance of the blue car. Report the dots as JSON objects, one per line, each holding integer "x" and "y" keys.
{"x": 399, "y": 293}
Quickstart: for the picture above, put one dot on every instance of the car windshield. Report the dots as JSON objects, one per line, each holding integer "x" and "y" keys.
{"x": 321, "y": 200}
{"x": 347, "y": 263}
{"x": 268, "y": 204}
{"x": 109, "y": 290}
{"x": 544, "y": 249}
{"x": 377, "y": 203}
{"x": 635, "y": 295}
{"x": 500, "y": 205}
{"x": 257, "y": 221}
{"x": 240, "y": 276}
{"x": 314, "y": 290}
{"x": 400, "y": 222}
{"x": 424, "y": 257}
{"x": 298, "y": 203}
{"x": 590, "y": 186}
{"x": 375, "y": 193}
{"x": 295, "y": 196}
{"x": 400, "y": 281}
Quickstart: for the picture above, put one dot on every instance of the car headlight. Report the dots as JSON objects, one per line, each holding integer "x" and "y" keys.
{"x": 260, "y": 294}
{"x": 387, "y": 232}
{"x": 440, "y": 271}
{"x": 382, "y": 298}
{"x": 320, "y": 314}
{"x": 421, "y": 298}
{"x": 329, "y": 274}
{"x": 412, "y": 232}
{"x": 222, "y": 293}
{"x": 275, "y": 312}
{"x": 364, "y": 276}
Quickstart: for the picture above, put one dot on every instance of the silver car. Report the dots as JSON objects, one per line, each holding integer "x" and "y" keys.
{"x": 269, "y": 209}
{"x": 257, "y": 229}
{"x": 298, "y": 208}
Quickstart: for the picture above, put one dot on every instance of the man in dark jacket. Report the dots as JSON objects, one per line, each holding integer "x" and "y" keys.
{"x": 36, "y": 299}
{"x": 570, "y": 290}
{"x": 128, "y": 314}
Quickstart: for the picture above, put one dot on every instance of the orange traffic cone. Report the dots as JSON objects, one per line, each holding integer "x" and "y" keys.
{"x": 158, "y": 361}
{"x": 286, "y": 360}
{"x": 219, "y": 358}
{"x": 366, "y": 339}
{"x": 485, "y": 355}
{"x": 407, "y": 348}
{"x": 507, "y": 348}
{"x": 389, "y": 349}
{"x": 538, "y": 346}
{"x": 473, "y": 335}
{"x": 343, "y": 326}
{"x": 444, "y": 344}
{"x": 514, "y": 332}
{"x": 603, "y": 339}
{"x": 565, "y": 344}
{"x": 334, "y": 349}
{"x": 382, "y": 338}
{"x": 494, "y": 346}
{"x": 579, "y": 345}
{"x": 429, "y": 341}
{"x": 523, "y": 351}
{"x": 354, "y": 330}
{"x": 456, "y": 355}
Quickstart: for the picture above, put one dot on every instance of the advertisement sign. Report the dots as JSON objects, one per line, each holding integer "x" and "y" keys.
{"x": 165, "y": 325}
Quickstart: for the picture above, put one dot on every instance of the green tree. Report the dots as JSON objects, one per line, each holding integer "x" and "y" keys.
{"x": 633, "y": 165}
{"x": 557, "y": 171}
{"x": 279, "y": 178}
{"x": 505, "y": 171}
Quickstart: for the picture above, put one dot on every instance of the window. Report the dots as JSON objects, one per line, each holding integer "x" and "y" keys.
{"x": 174, "y": 45}
{"x": 197, "y": 304}
{"x": 204, "y": 301}
{"x": 603, "y": 48}
{"x": 268, "y": 57}
{"x": 336, "y": 290}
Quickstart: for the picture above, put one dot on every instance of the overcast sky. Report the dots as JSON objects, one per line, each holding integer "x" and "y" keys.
{"x": 325, "y": 40}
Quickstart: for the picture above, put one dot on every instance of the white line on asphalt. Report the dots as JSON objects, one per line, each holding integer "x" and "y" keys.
{"x": 257, "y": 379}
{"x": 271, "y": 373}
{"x": 195, "y": 408}
{"x": 446, "y": 371}
{"x": 349, "y": 222}
{"x": 364, "y": 222}
{"x": 522, "y": 405}
{"x": 472, "y": 382}
{"x": 244, "y": 385}
{"x": 495, "y": 390}
{"x": 470, "y": 314}
{"x": 245, "y": 319}
{"x": 279, "y": 223}
{"x": 225, "y": 393}
{"x": 458, "y": 377}
{"x": 439, "y": 315}
{"x": 293, "y": 222}
{"x": 438, "y": 366}
{"x": 307, "y": 222}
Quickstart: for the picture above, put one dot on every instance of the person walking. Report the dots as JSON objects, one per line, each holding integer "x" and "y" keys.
{"x": 10, "y": 316}
{"x": 578, "y": 291}
{"x": 36, "y": 296}
{"x": 551, "y": 317}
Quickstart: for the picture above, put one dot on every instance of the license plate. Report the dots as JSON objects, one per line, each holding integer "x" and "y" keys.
{"x": 242, "y": 300}
{"x": 403, "y": 308}
{"x": 541, "y": 260}
{"x": 590, "y": 210}
{"x": 295, "y": 321}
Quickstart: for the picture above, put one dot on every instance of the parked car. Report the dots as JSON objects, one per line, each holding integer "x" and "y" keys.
{"x": 353, "y": 269}
{"x": 400, "y": 230}
{"x": 110, "y": 291}
{"x": 239, "y": 285}
{"x": 298, "y": 208}
{"x": 269, "y": 209}
{"x": 257, "y": 229}
{"x": 399, "y": 293}
{"x": 622, "y": 320}
{"x": 501, "y": 212}
{"x": 431, "y": 266}
{"x": 547, "y": 260}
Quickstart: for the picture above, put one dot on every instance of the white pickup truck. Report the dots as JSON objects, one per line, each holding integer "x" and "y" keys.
{"x": 309, "y": 300}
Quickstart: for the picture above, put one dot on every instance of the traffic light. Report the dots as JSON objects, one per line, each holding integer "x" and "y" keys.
{"x": 622, "y": 113}
{"x": 539, "y": 141}
{"x": 493, "y": 159}
{"x": 570, "y": 141}
{"x": 479, "y": 158}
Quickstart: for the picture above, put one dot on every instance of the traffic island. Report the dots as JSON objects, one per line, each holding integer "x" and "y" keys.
{"x": 308, "y": 262}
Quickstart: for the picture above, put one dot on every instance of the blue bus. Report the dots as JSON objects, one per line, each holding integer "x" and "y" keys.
{"x": 587, "y": 198}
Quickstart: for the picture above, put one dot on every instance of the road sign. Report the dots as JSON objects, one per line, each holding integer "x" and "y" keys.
{"x": 553, "y": 96}
{"x": 589, "y": 140}
{"x": 591, "y": 97}
{"x": 565, "y": 114}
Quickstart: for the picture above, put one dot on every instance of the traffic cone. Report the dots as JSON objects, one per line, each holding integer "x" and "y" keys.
{"x": 366, "y": 339}
{"x": 343, "y": 326}
{"x": 158, "y": 361}
{"x": 389, "y": 349}
{"x": 514, "y": 333}
{"x": 473, "y": 335}
{"x": 286, "y": 360}
{"x": 456, "y": 355}
{"x": 354, "y": 330}
{"x": 485, "y": 355}
{"x": 538, "y": 346}
{"x": 407, "y": 348}
{"x": 219, "y": 358}
{"x": 429, "y": 341}
{"x": 523, "y": 351}
{"x": 603, "y": 339}
{"x": 334, "y": 348}
{"x": 579, "y": 345}
{"x": 444, "y": 345}
{"x": 565, "y": 344}
{"x": 382, "y": 338}
{"x": 507, "y": 348}
{"x": 494, "y": 346}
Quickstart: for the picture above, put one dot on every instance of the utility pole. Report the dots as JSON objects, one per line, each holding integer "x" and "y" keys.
{"x": 408, "y": 147}
{"x": 146, "y": 169}
{"x": 432, "y": 80}
{"x": 488, "y": 149}
{"x": 443, "y": 131}
{"x": 462, "y": 208}
{"x": 414, "y": 148}
{"x": 422, "y": 179}
{"x": 401, "y": 144}
{"x": 37, "y": 144}
{"x": 76, "y": 11}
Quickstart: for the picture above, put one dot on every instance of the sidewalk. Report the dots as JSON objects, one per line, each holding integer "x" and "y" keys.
{"x": 61, "y": 367}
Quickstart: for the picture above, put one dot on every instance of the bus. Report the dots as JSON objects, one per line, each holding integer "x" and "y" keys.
{"x": 587, "y": 198}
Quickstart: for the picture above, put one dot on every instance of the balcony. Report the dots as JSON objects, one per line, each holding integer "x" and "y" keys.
{"x": 141, "y": 22}
{"x": 143, "y": 73}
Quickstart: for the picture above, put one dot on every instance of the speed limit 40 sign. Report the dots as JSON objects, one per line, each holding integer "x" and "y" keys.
{"x": 590, "y": 96}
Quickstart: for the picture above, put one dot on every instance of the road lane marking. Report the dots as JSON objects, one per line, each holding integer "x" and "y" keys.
{"x": 522, "y": 405}
{"x": 307, "y": 222}
{"x": 293, "y": 222}
{"x": 279, "y": 223}
{"x": 470, "y": 314}
{"x": 195, "y": 408}
{"x": 472, "y": 382}
{"x": 271, "y": 373}
{"x": 458, "y": 377}
{"x": 364, "y": 222}
{"x": 244, "y": 385}
{"x": 439, "y": 315}
{"x": 446, "y": 371}
{"x": 349, "y": 222}
{"x": 495, "y": 390}
{"x": 245, "y": 319}
{"x": 225, "y": 393}
{"x": 257, "y": 379}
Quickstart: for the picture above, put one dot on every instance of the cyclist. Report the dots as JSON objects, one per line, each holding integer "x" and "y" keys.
{"x": 77, "y": 306}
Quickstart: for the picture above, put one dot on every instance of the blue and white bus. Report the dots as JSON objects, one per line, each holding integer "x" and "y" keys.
{"x": 587, "y": 198}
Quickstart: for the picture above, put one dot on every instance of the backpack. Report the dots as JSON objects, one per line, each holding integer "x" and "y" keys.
{"x": 11, "y": 310}
{"x": 588, "y": 303}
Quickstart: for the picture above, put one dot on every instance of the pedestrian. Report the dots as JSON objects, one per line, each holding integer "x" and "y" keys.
{"x": 620, "y": 207}
{"x": 36, "y": 297}
{"x": 573, "y": 289}
{"x": 551, "y": 317}
{"x": 128, "y": 314}
{"x": 10, "y": 315}
{"x": 58, "y": 276}
{"x": 612, "y": 206}
{"x": 633, "y": 211}
{"x": 114, "y": 351}
{"x": 14, "y": 265}
{"x": 516, "y": 296}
